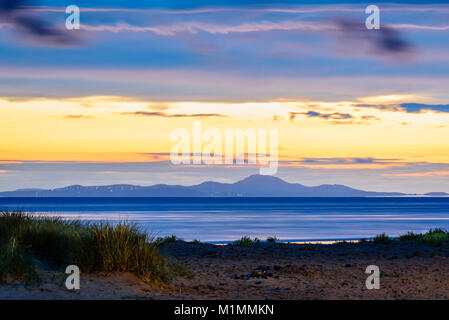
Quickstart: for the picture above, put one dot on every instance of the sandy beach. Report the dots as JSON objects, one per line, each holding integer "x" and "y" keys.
{"x": 270, "y": 271}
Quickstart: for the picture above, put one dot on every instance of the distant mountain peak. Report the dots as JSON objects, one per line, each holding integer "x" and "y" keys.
{"x": 252, "y": 186}
{"x": 258, "y": 178}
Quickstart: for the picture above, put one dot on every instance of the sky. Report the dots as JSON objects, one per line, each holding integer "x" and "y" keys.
{"x": 96, "y": 106}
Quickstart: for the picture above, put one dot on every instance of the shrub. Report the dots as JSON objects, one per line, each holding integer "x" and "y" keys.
{"x": 381, "y": 239}
{"x": 435, "y": 236}
{"x": 272, "y": 239}
{"x": 167, "y": 239}
{"x": 246, "y": 241}
{"x": 409, "y": 236}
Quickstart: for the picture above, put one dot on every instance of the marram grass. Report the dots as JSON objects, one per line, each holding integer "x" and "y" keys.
{"x": 28, "y": 241}
{"x": 436, "y": 237}
{"x": 246, "y": 241}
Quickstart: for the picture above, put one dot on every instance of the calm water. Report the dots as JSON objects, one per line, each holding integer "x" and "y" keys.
{"x": 226, "y": 219}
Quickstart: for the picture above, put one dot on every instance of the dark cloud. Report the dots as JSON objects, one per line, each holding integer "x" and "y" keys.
{"x": 326, "y": 116}
{"x": 385, "y": 41}
{"x": 165, "y": 115}
{"x": 13, "y": 12}
{"x": 348, "y": 160}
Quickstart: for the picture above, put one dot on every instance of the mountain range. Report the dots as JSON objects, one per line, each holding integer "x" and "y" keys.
{"x": 252, "y": 186}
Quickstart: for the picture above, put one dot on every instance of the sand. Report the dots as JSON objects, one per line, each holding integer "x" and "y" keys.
{"x": 270, "y": 271}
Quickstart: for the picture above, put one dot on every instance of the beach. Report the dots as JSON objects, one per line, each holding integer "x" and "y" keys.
{"x": 408, "y": 270}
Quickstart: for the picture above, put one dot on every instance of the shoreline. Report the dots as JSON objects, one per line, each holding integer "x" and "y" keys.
{"x": 294, "y": 241}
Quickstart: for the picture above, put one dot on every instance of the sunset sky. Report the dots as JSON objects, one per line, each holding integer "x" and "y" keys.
{"x": 364, "y": 108}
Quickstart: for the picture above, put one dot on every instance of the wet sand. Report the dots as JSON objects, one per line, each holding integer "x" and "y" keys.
{"x": 271, "y": 271}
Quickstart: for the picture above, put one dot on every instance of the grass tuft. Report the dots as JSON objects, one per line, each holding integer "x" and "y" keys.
{"x": 410, "y": 236}
{"x": 382, "y": 239}
{"x": 167, "y": 239}
{"x": 246, "y": 241}
{"x": 435, "y": 237}
{"x": 27, "y": 241}
{"x": 16, "y": 265}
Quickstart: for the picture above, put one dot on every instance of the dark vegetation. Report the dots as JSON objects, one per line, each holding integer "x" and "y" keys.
{"x": 435, "y": 237}
{"x": 29, "y": 242}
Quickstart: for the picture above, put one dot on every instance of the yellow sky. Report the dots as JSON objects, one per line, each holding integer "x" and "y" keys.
{"x": 107, "y": 128}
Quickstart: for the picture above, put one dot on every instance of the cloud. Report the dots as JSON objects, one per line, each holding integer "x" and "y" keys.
{"x": 194, "y": 7}
{"x": 11, "y": 10}
{"x": 337, "y": 118}
{"x": 319, "y": 9}
{"x": 385, "y": 41}
{"x": 165, "y": 115}
{"x": 419, "y": 174}
{"x": 326, "y": 116}
{"x": 393, "y": 167}
{"x": 349, "y": 160}
{"x": 369, "y": 118}
{"x": 159, "y": 106}
{"x": 195, "y": 27}
{"x": 345, "y": 163}
{"x": 77, "y": 116}
{"x": 419, "y": 27}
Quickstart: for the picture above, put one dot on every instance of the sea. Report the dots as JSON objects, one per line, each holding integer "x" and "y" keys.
{"x": 222, "y": 220}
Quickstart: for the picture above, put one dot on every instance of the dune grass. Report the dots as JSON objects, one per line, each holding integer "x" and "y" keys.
{"x": 167, "y": 239}
{"x": 16, "y": 264}
{"x": 381, "y": 239}
{"x": 246, "y": 241}
{"x": 435, "y": 237}
{"x": 28, "y": 242}
{"x": 272, "y": 239}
